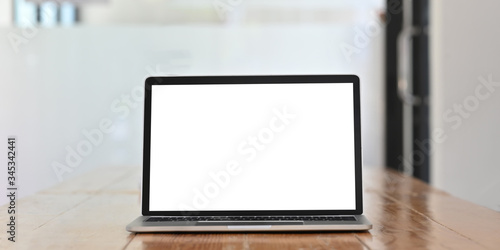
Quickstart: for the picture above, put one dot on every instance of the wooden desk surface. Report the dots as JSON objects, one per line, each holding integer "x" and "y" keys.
{"x": 91, "y": 212}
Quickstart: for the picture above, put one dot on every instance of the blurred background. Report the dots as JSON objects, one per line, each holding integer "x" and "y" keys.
{"x": 429, "y": 74}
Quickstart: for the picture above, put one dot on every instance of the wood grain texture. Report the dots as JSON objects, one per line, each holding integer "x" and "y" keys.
{"x": 91, "y": 212}
{"x": 464, "y": 218}
{"x": 247, "y": 241}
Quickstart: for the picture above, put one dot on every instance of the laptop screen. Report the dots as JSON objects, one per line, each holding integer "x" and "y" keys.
{"x": 251, "y": 147}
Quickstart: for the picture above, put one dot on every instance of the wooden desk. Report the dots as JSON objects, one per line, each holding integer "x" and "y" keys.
{"x": 91, "y": 212}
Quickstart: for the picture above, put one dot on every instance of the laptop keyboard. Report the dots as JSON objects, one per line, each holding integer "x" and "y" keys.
{"x": 251, "y": 218}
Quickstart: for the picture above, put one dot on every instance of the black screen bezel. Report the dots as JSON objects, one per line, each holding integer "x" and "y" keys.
{"x": 270, "y": 79}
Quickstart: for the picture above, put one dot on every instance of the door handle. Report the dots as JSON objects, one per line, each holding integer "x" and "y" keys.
{"x": 404, "y": 50}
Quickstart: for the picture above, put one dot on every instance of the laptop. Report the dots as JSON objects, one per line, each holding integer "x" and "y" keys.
{"x": 252, "y": 153}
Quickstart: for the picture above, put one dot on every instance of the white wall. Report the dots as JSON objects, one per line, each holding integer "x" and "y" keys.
{"x": 60, "y": 81}
{"x": 465, "y": 46}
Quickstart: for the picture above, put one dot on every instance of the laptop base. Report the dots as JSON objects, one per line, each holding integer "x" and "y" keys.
{"x": 140, "y": 225}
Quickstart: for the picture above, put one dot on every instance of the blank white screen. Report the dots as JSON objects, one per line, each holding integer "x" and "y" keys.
{"x": 288, "y": 147}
